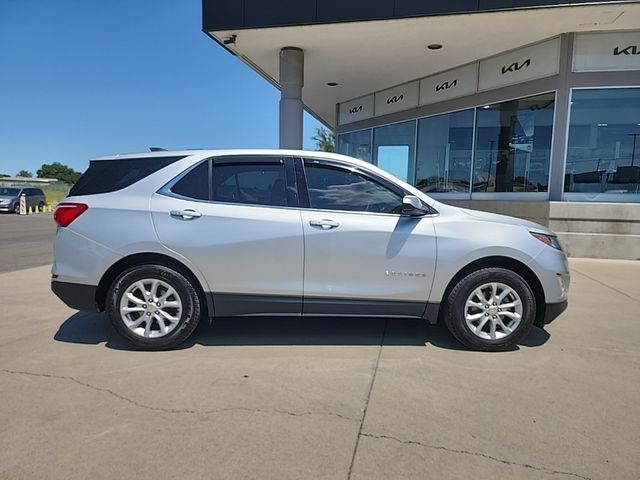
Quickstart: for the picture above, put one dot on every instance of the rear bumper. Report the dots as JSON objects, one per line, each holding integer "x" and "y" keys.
{"x": 553, "y": 310}
{"x": 76, "y": 295}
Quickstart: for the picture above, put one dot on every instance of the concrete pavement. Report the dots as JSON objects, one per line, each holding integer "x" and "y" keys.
{"x": 26, "y": 240}
{"x": 326, "y": 398}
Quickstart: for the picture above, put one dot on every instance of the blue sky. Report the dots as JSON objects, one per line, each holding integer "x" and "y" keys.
{"x": 84, "y": 78}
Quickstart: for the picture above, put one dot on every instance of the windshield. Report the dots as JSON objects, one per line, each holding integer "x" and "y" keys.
{"x": 9, "y": 191}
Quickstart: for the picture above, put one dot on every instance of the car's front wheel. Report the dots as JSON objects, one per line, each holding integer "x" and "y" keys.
{"x": 153, "y": 307}
{"x": 491, "y": 309}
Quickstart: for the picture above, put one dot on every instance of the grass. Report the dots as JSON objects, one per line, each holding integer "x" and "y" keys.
{"x": 55, "y": 193}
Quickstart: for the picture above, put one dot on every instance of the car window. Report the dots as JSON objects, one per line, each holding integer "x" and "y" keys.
{"x": 9, "y": 191}
{"x": 194, "y": 184}
{"x": 104, "y": 176}
{"x": 251, "y": 183}
{"x": 333, "y": 188}
{"x": 38, "y": 191}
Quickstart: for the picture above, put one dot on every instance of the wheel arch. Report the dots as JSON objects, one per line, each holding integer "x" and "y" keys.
{"x": 138, "y": 259}
{"x": 508, "y": 263}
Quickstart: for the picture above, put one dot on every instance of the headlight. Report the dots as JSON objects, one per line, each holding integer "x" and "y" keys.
{"x": 4, "y": 202}
{"x": 550, "y": 240}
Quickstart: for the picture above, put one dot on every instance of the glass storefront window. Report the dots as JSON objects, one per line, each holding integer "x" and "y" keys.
{"x": 356, "y": 144}
{"x": 603, "y": 151}
{"x": 394, "y": 149}
{"x": 444, "y": 152}
{"x": 513, "y": 145}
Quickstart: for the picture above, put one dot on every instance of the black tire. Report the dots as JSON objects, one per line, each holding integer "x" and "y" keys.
{"x": 16, "y": 208}
{"x": 41, "y": 207}
{"x": 191, "y": 306}
{"x": 455, "y": 307}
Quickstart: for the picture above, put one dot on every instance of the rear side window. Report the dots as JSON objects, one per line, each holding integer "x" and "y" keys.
{"x": 250, "y": 183}
{"x": 194, "y": 184}
{"x": 104, "y": 176}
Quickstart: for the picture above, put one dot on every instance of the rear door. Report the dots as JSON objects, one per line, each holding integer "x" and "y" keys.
{"x": 362, "y": 256}
{"x": 237, "y": 219}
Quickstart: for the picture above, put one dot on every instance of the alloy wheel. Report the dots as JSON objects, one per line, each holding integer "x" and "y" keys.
{"x": 493, "y": 311}
{"x": 151, "y": 308}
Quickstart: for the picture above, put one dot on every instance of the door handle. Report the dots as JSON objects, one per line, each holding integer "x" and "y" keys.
{"x": 324, "y": 224}
{"x": 186, "y": 214}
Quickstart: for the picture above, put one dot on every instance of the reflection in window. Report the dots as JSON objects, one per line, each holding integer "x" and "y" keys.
{"x": 513, "y": 145}
{"x": 393, "y": 149}
{"x": 336, "y": 189}
{"x": 603, "y": 152}
{"x": 356, "y": 144}
{"x": 445, "y": 145}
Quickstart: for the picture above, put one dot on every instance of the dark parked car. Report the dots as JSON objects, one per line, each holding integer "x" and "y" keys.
{"x": 10, "y": 198}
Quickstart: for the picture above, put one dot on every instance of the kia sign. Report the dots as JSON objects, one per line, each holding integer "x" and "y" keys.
{"x": 354, "y": 110}
{"x": 396, "y": 99}
{"x": 593, "y": 52}
{"x": 528, "y": 63}
{"x": 452, "y": 84}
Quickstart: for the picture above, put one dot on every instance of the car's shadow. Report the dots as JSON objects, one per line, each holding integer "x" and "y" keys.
{"x": 94, "y": 329}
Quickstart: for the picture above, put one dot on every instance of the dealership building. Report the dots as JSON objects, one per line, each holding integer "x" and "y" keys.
{"x": 525, "y": 107}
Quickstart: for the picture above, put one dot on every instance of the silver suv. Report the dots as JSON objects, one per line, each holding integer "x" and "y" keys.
{"x": 161, "y": 240}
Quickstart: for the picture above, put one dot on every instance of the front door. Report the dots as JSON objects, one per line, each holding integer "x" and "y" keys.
{"x": 362, "y": 256}
{"x": 242, "y": 230}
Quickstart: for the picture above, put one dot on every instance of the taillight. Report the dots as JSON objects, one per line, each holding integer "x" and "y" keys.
{"x": 66, "y": 213}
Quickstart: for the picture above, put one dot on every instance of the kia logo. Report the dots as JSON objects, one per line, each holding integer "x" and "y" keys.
{"x": 357, "y": 109}
{"x": 515, "y": 66}
{"x": 630, "y": 50}
{"x": 446, "y": 85}
{"x": 395, "y": 99}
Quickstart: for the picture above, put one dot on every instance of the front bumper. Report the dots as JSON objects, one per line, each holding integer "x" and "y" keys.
{"x": 553, "y": 311}
{"x": 76, "y": 295}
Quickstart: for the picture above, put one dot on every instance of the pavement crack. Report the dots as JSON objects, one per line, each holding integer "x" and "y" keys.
{"x": 573, "y": 269}
{"x": 475, "y": 454}
{"x": 366, "y": 402}
{"x": 173, "y": 410}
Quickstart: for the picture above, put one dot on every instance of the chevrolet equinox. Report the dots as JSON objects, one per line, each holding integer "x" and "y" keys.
{"x": 161, "y": 240}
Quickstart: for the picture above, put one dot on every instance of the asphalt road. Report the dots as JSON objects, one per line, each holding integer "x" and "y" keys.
{"x": 26, "y": 241}
{"x": 347, "y": 399}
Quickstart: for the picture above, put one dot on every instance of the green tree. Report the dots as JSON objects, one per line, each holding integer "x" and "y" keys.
{"x": 325, "y": 140}
{"x": 4, "y": 175}
{"x": 24, "y": 173}
{"x": 58, "y": 171}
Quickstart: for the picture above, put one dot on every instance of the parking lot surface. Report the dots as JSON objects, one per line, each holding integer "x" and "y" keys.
{"x": 25, "y": 240}
{"x": 323, "y": 398}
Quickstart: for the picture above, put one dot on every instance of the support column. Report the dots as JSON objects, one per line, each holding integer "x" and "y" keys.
{"x": 560, "y": 126}
{"x": 291, "y": 82}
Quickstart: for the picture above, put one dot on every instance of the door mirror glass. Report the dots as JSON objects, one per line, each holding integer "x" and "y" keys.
{"x": 412, "y": 205}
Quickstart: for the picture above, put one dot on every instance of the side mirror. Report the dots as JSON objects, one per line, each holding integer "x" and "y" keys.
{"x": 412, "y": 205}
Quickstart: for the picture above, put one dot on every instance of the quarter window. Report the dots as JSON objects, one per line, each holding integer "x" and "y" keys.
{"x": 250, "y": 183}
{"x": 332, "y": 188}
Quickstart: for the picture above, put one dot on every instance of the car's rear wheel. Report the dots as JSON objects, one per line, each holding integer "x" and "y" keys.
{"x": 153, "y": 307}
{"x": 41, "y": 207}
{"x": 491, "y": 309}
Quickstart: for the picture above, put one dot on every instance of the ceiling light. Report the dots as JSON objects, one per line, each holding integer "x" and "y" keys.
{"x": 487, "y": 107}
{"x": 434, "y": 46}
{"x": 332, "y": 84}
{"x": 603, "y": 124}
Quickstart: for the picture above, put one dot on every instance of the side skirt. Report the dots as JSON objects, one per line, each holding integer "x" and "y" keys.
{"x": 236, "y": 304}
